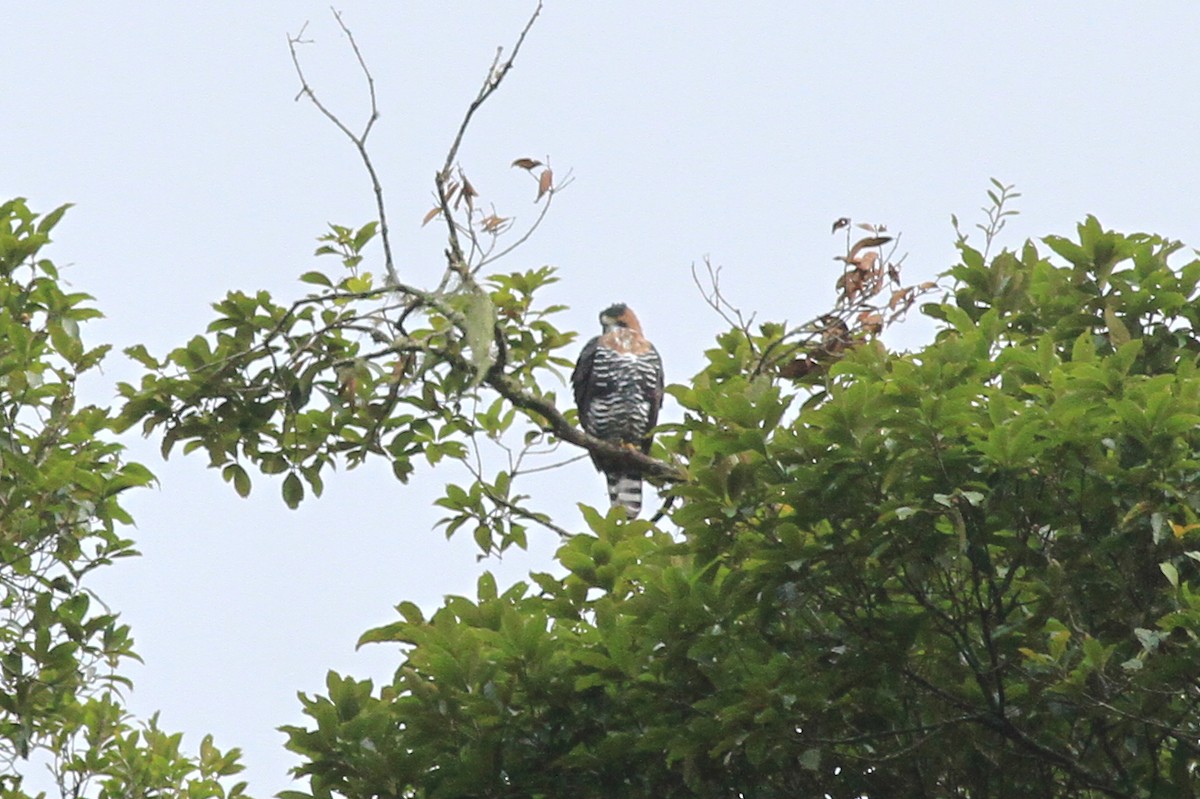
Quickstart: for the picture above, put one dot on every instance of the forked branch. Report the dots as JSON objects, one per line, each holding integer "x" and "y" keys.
{"x": 358, "y": 139}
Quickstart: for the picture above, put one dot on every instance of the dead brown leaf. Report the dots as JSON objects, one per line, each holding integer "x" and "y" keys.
{"x": 526, "y": 163}
{"x": 468, "y": 192}
{"x": 834, "y": 335}
{"x": 437, "y": 209}
{"x": 545, "y": 183}
{"x": 870, "y": 241}
{"x": 493, "y": 223}
{"x": 839, "y": 223}
{"x": 801, "y": 367}
{"x": 850, "y": 283}
{"x": 898, "y": 296}
{"x": 870, "y": 322}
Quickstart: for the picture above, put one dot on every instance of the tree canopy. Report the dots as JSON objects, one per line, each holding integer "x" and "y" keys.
{"x": 966, "y": 570}
{"x": 61, "y": 479}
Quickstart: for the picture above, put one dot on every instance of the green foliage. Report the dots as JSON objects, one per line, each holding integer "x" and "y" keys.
{"x": 61, "y": 480}
{"x": 972, "y": 570}
{"x": 356, "y": 370}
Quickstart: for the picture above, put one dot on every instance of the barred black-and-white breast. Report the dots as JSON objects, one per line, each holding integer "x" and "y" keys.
{"x": 618, "y": 382}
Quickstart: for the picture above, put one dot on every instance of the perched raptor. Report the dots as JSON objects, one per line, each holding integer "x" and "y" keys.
{"x": 618, "y": 383}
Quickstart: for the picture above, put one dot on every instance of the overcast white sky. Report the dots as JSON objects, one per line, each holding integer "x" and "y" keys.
{"x": 733, "y": 130}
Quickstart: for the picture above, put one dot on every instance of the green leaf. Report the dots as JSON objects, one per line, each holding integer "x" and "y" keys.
{"x": 1068, "y": 249}
{"x": 483, "y": 538}
{"x": 317, "y": 279}
{"x": 1118, "y": 334}
{"x": 486, "y": 589}
{"x": 51, "y": 219}
{"x": 1170, "y": 572}
{"x": 293, "y": 490}
{"x": 411, "y": 612}
{"x": 364, "y": 235}
{"x": 234, "y": 473}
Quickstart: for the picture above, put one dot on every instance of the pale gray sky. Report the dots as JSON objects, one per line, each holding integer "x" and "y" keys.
{"x": 733, "y": 130}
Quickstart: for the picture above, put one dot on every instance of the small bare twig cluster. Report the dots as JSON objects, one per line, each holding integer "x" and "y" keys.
{"x": 484, "y": 228}
{"x": 452, "y": 190}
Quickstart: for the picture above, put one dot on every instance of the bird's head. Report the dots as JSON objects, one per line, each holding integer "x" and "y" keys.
{"x": 619, "y": 316}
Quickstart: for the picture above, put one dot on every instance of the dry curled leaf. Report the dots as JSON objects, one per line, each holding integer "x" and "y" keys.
{"x": 899, "y": 296}
{"x": 527, "y": 163}
{"x": 493, "y": 223}
{"x": 437, "y": 209}
{"x": 801, "y": 367}
{"x": 834, "y": 335}
{"x": 462, "y": 190}
{"x": 468, "y": 192}
{"x": 839, "y": 223}
{"x": 871, "y": 322}
{"x": 850, "y": 284}
{"x": 545, "y": 182}
{"x": 870, "y": 241}
{"x": 867, "y": 262}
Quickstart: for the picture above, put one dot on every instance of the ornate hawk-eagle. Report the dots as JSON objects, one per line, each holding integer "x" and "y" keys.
{"x": 618, "y": 383}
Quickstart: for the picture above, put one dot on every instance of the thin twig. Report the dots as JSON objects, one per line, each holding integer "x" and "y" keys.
{"x": 489, "y": 258}
{"x": 358, "y": 139}
{"x": 521, "y": 512}
{"x": 492, "y": 82}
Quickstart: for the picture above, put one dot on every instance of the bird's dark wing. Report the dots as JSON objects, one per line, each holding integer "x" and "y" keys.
{"x": 581, "y": 379}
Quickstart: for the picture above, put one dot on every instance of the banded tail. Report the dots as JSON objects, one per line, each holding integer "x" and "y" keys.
{"x": 626, "y": 492}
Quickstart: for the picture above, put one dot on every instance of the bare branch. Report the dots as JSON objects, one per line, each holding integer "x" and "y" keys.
{"x": 492, "y": 82}
{"x": 358, "y": 139}
{"x": 716, "y": 300}
{"x": 523, "y": 513}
